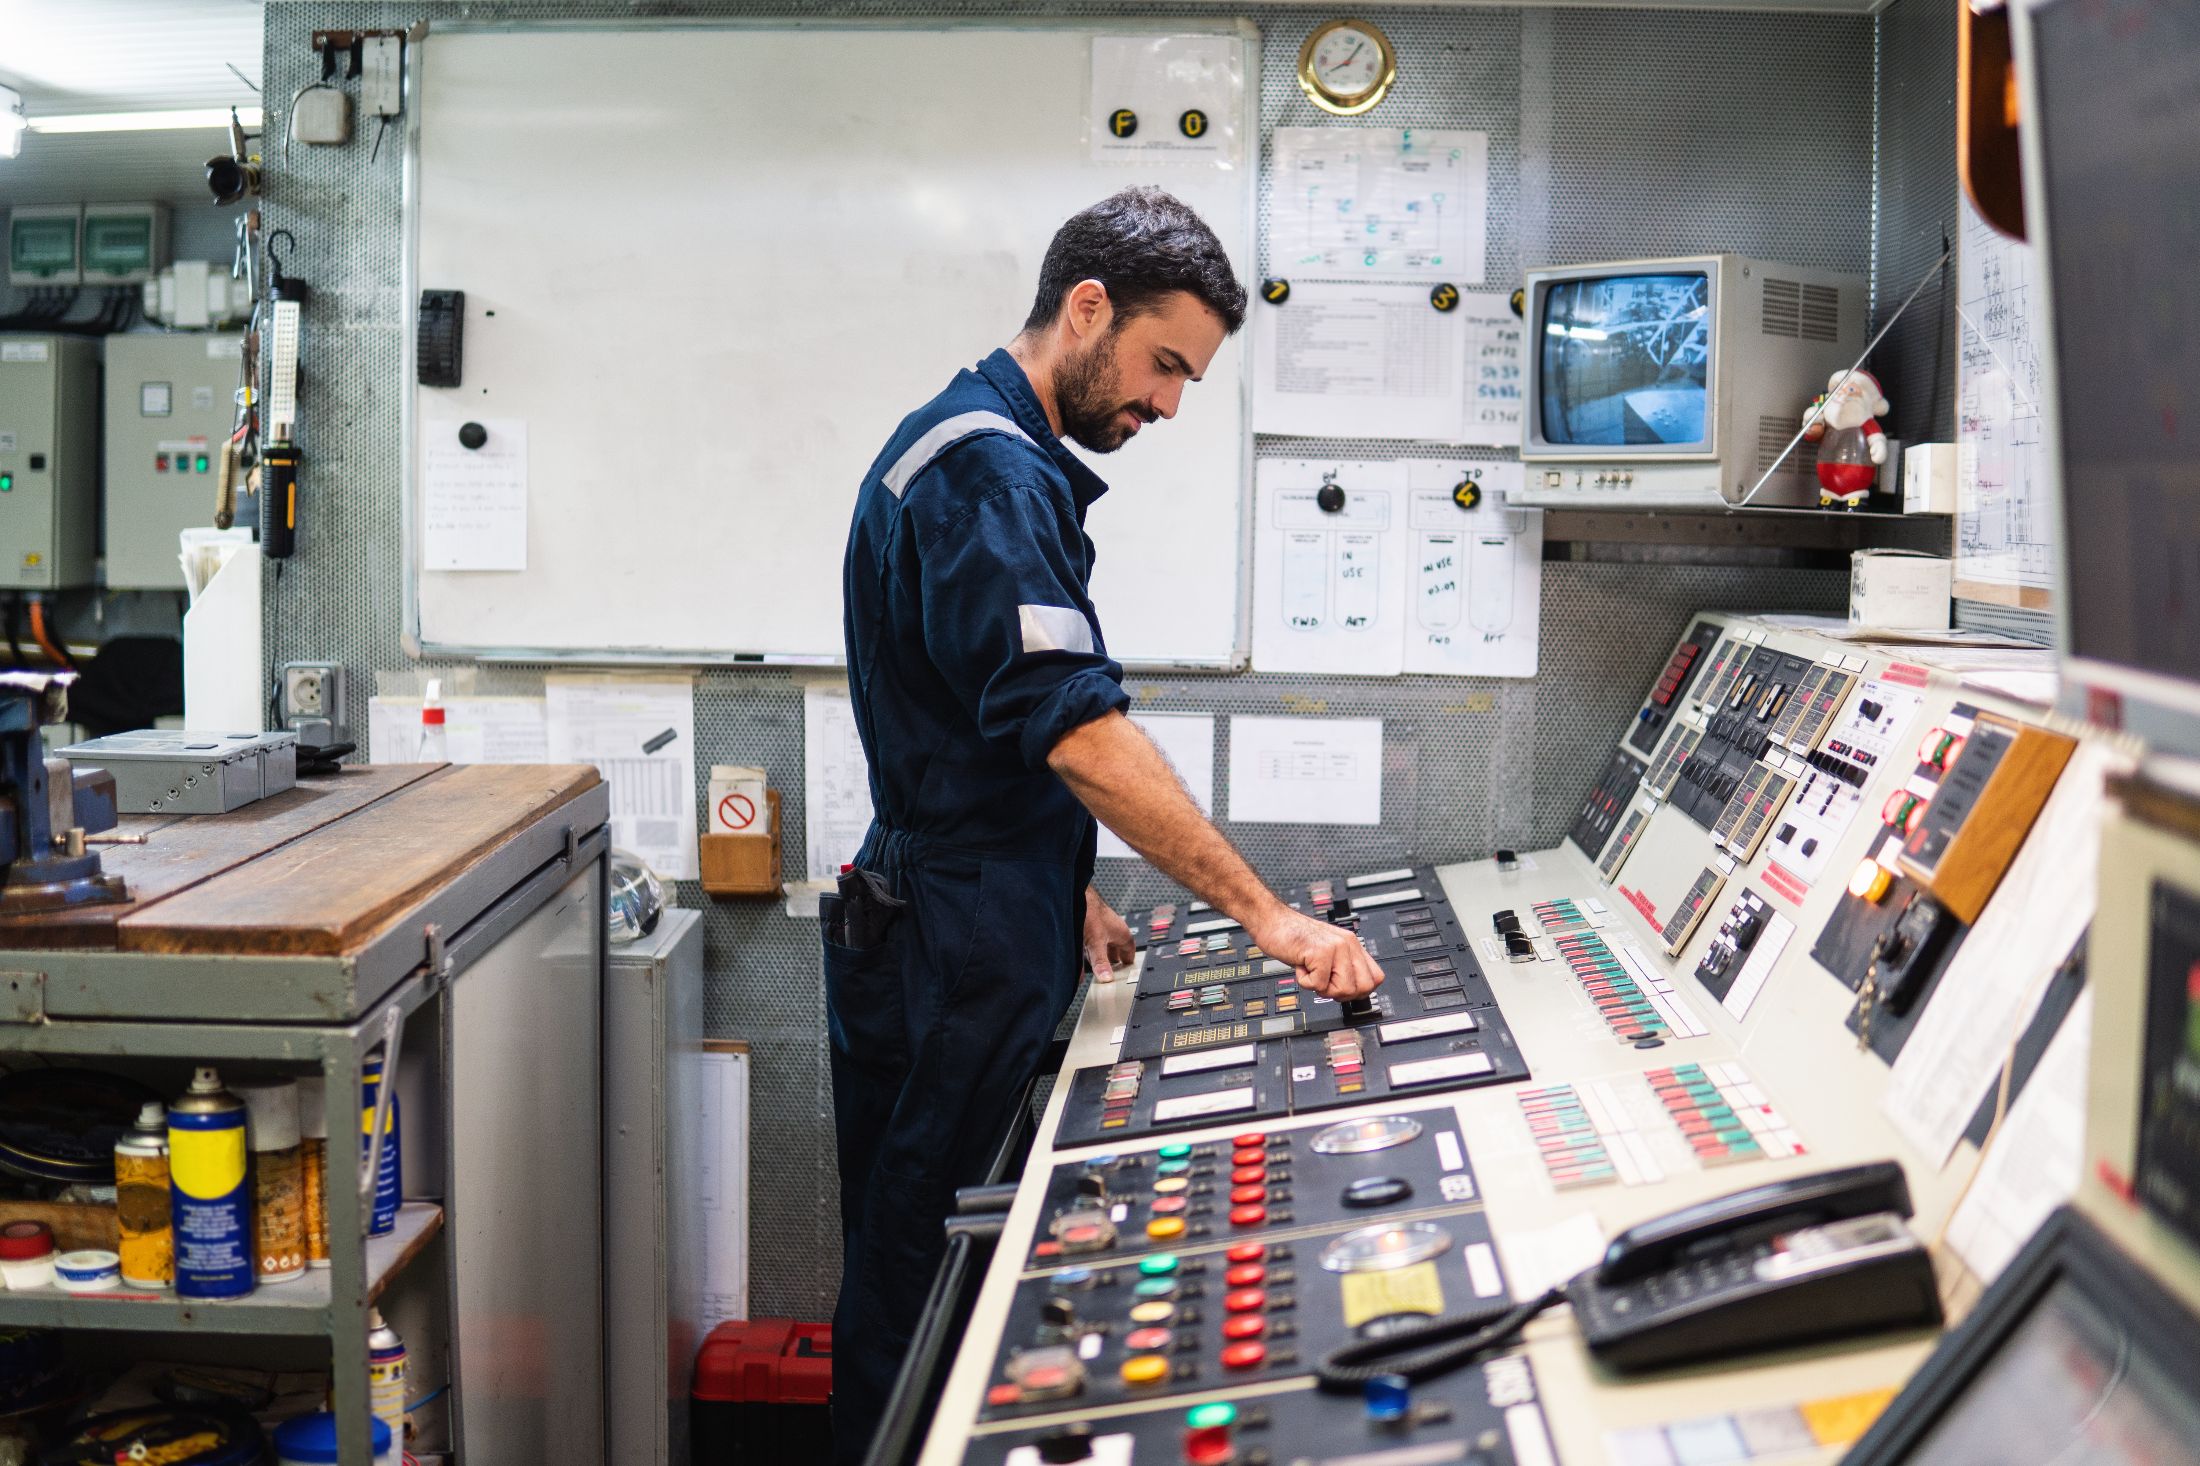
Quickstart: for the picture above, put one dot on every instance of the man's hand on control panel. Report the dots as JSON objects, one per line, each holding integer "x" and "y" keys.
{"x": 1330, "y": 959}
{"x": 1107, "y": 938}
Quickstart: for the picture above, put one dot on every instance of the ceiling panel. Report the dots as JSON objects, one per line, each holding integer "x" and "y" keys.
{"x": 129, "y": 55}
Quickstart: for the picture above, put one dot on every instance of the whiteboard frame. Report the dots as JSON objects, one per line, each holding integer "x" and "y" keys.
{"x": 411, "y": 639}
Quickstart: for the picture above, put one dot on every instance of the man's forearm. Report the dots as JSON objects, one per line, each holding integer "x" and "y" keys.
{"x": 1117, "y": 773}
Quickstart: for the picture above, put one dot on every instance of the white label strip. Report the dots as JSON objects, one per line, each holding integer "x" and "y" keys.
{"x": 1222, "y": 1102}
{"x": 1412, "y": 1028}
{"x": 1597, "y": 1102}
{"x": 1890, "y": 854}
{"x": 1482, "y": 1271}
{"x": 1494, "y": 951}
{"x": 1273, "y": 968}
{"x": 1531, "y": 1443}
{"x": 1229, "y": 1058}
{"x": 1595, "y": 905}
{"x": 1623, "y": 1160}
{"x": 1635, "y": 1145}
{"x": 1219, "y": 924}
{"x": 1757, "y": 971}
{"x": 1725, "y": 863}
{"x": 1388, "y": 898}
{"x": 1447, "y": 1150}
{"x": 1546, "y": 950}
{"x": 1379, "y": 878}
{"x": 1427, "y": 1071}
{"x": 1115, "y": 1035}
{"x": 1199, "y": 906}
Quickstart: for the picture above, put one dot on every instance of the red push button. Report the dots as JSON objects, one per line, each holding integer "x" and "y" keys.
{"x": 1247, "y": 1252}
{"x": 1248, "y": 1175}
{"x": 1242, "y": 1194}
{"x": 1248, "y": 1216}
{"x": 1245, "y": 1275}
{"x": 1249, "y": 1156}
{"x": 1248, "y": 1355}
{"x": 1244, "y": 1300}
{"x": 1250, "y": 1137}
{"x": 1244, "y": 1326}
{"x": 1003, "y": 1395}
{"x": 1146, "y": 1341}
{"x": 1165, "y": 1205}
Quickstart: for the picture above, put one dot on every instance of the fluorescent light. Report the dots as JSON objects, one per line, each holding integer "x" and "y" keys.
{"x": 11, "y": 122}
{"x": 144, "y": 121}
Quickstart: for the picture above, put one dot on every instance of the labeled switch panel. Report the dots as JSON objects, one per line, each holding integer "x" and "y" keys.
{"x": 1600, "y": 812}
{"x": 1669, "y": 694}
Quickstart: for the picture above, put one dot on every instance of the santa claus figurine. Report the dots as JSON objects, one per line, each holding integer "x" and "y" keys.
{"x": 1851, "y": 446}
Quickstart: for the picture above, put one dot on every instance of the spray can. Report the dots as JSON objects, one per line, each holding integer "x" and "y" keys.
{"x": 389, "y": 1181}
{"x": 313, "y": 1166}
{"x": 148, "y": 1244}
{"x": 387, "y": 1372}
{"x": 278, "y": 1193}
{"x": 209, "y": 1192}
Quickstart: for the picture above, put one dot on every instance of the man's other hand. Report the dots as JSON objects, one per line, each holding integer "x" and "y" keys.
{"x": 1329, "y": 959}
{"x": 1107, "y": 938}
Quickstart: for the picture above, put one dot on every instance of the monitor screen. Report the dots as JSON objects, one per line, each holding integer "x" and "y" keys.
{"x": 2069, "y": 1385}
{"x": 1625, "y": 360}
{"x": 2119, "y": 139}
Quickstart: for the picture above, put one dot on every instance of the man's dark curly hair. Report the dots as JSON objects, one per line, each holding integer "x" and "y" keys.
{"x": 1142, "y": 244}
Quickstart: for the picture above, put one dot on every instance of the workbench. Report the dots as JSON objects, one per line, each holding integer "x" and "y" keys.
{"x": 451, "y": 918}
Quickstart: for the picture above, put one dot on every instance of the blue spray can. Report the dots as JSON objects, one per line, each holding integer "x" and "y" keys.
{"x": 209, "y": 1191}
{"x": 389, "y": 1180}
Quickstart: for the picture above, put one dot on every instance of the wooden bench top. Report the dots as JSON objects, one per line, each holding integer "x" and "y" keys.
{"x": 317, "y": 869}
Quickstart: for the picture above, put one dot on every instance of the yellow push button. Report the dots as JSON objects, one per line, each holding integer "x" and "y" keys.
{"x": 1161, "y": 1229}
{"x": 1145, "y": 1369}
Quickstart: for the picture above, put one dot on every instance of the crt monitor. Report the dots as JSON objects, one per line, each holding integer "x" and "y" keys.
{"x": 1675, "y": 383}
{"x": 2074, "y": 1355}
{"x": 2111, "y": 134}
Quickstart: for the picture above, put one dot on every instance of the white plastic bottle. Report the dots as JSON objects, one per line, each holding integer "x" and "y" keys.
{"x": 435, "y": 745}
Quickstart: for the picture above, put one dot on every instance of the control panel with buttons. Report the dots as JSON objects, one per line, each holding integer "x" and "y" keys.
{"x": 1485, "y": 1415}
{"x": 1208, "y": 1316}
{"x": 1253, "y": 1185}
{"x": 1600, "y": 811}
{"x": 1669, "y": 694}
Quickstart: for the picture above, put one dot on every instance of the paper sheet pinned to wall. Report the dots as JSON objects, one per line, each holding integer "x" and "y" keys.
{"x": 477, "y": 730}
{"x": 1329, "y": 587}
{"x": 605, "y": 721}
{"x": 1475, "y": 577}
{"x": 2034, "y": 1163}
{"x": 836, "y": 780}
{"x": 2005, "y": 530}
{"x": 1187, "y": 741}
{"x": 1994, "y": 983}
{"x": 1379, "y": 203}
{"x": 473, "y": 501}
{"x": 1306, "y": 771}
{"x": 721, "y": 1158}
{"x": 1184, "y": 95}
{"x": 1359, "y": 361}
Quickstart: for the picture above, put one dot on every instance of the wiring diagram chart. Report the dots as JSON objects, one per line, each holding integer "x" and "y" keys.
{"x": 2004, "y": 529}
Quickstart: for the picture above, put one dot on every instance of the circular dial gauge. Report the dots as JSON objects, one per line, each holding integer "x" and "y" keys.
{"x": 1358, "y": 1137}
{"x": 1381, "y": 1248}
{"x": 1346, "y": 66}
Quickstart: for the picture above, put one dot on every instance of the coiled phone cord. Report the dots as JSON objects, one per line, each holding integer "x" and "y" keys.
{"x": 1429, "y": 1350}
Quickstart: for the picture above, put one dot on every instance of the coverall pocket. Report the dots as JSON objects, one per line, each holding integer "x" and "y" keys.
{"x": 864, "y": 1003}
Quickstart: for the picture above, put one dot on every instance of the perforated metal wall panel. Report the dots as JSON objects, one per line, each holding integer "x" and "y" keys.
{"x": 1916, "y": 140}
{"x": 1611, "y": 133}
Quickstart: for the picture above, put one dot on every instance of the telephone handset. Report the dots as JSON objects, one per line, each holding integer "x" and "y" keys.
{"x": 1812, "y": 1257}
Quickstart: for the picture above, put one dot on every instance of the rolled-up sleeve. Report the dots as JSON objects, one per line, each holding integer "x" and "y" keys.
{"x": 1008, "y": 623}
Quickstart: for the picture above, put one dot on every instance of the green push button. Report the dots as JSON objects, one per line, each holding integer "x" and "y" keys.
{"x": 1173, "y": 1152}
{"x": 7, "y": 483}
{"x": 1159, "y": 1264}
{"x": 1209, "y": 1416}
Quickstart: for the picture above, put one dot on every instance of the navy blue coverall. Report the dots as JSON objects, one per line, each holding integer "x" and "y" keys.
{"x": 972, "y": 648}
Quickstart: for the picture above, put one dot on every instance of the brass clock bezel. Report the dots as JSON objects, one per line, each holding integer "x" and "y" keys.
{"x": 1329, "y": 101}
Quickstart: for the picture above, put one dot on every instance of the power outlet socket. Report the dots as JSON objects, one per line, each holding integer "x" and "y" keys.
{"x": 314, "y": 701}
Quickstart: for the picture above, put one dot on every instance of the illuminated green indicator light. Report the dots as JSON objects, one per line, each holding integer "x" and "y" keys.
{"x": 200, "y": 463}
{"x": 7, "y": 483}
{"x": 1158, "y": 1264}
{"x": 1208, "y": 1416}
{"x": 1174, "y": 1152}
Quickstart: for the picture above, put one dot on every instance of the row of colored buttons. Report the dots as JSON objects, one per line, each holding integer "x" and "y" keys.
{"x": 1214, "y": 995}
{"x": 1707, "y": 1120}
{"x": 1676, "y": 672}
{"x": 1346, "y": 1059}
{"x": 1120, "y": 1093}
{"x": 1560, "y": 917}
{"x": 1253, "y": 1185}
{"x": 184, "y": 463}
{"x": 1622, "y": 1005}
{"x": 1245, "y": 1307}
{"x": 1565, "y": 1138}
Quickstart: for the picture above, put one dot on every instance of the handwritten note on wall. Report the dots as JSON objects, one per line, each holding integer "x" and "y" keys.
{"x": 474, "y": 500}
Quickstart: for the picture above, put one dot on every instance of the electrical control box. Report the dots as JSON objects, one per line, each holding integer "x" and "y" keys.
{"x": 43, "y": 245}
{"x": 124, "y": 244}
{"x": 170, "y": 404}
{"x": 49, "y": 471}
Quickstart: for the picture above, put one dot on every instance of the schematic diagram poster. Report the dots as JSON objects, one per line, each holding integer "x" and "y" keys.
{"x": 2005, "y": 547}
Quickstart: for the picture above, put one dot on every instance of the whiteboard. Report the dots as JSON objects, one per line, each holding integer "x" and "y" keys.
{"x": 710, "y": 267}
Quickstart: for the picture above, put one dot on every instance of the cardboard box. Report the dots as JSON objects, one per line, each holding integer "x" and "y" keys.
{"x": 737, "y": 803}
{"x": 1929, "y": 478}
{"x": 1899, "y": 590}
